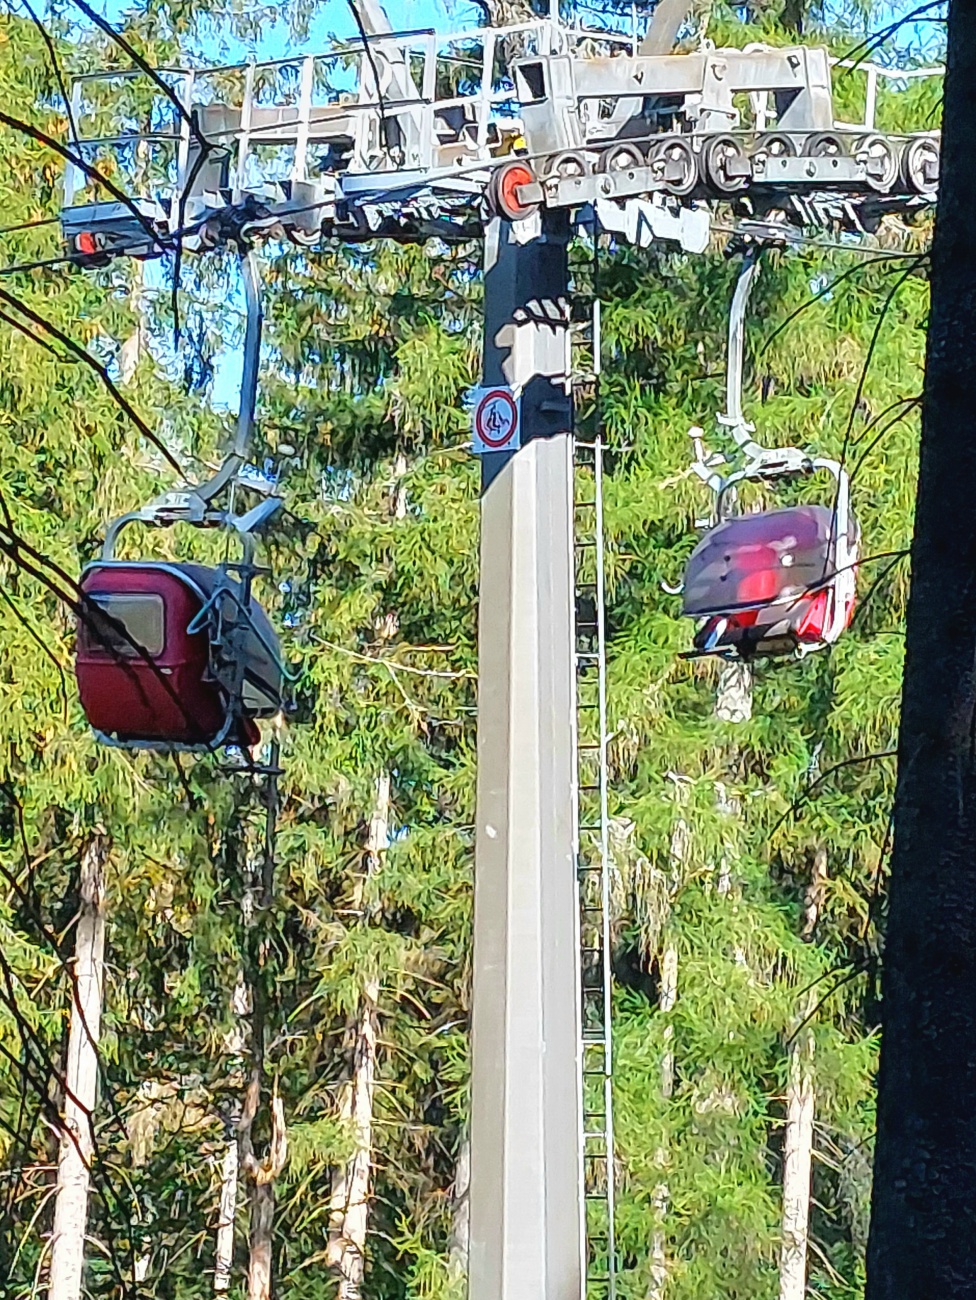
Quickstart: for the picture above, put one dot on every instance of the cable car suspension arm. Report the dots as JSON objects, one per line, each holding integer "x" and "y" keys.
{"x": 759, "y": 462}
{"x": 194, "y": 502}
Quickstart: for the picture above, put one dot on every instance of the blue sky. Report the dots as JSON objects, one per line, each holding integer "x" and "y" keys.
{"x": 334, "y": 18}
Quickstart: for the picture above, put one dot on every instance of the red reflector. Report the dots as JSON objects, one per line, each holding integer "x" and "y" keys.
{"x": 513, "y": 177}
{"x": 86, "y": 242}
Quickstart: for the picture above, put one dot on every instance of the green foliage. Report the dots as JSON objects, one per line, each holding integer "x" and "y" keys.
{"x": 716, "y": 826}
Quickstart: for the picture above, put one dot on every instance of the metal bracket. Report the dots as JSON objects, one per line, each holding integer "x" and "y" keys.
{"x": 365, "y": 141}
{"x": 194, "y": 503}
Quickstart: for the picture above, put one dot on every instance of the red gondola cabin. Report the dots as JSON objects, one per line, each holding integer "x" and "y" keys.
{"x": 146, "y": 679}
{"x": 773, "y": 583}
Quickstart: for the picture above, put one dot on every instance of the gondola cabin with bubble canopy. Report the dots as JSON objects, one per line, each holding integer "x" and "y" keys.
{"x": 775, "y": 582}
{"x": 779, "y": 581}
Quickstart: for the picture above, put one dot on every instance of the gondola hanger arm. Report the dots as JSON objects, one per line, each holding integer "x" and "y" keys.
{"x": 240, "y": 451}
{"x": 194, "y": 503}
{"x": 734, "y": 419}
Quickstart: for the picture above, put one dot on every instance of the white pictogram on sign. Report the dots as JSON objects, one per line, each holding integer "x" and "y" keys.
{"x": 497, "y": 420}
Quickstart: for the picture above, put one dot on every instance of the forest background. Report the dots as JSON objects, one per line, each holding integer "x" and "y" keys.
{"x": 750, "y": 826}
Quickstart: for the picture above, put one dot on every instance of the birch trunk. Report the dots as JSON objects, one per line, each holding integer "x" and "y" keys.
{"x": 235, "y": 1045}
{"x": 224, "y": 1259}
{"x": 130, "y": 353}
{"x": 349, "y": 1206}
{"x": 351, "y": 1183}
{"x": 800, "y": 1110}
{"x": 667, "y": 998}
{"x": 797, "y": 1161}
{"x": 261, "y": 1175}
{"x": 461, "y": 1212}
{"x": 81, "y": 1076}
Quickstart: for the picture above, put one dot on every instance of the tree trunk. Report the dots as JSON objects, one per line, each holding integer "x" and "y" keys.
{"x": 130, "y": 353}
{"x": 351, "y": 1183}
{"x": 800, "y": 1109}
{"x": 461, "y": 1212}
{"x": 262, "y": 1205}
{"x": 261, "y": 1172}
{"x": 81, "y": 1077}
{"x": 235, "y": 1045}
{"x": 261, "y": 1176}
{"x": 224, "y": 1260}
{"x": 349, "y": 1206}
{"x": 733, "y": 699}
{"x": 797, "y": 1161}
{"x": 922, "y": 1244}
{"x": 668, "y": 996}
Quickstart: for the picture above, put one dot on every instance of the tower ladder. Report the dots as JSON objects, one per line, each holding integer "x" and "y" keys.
{"x": 598, "y": 1191}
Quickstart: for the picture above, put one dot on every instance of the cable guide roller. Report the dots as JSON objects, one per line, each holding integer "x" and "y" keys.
{"x": 174, "y": 655}
{"x": 775, "y": 582}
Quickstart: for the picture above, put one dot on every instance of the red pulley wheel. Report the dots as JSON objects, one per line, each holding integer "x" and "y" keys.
{"x": 503, "y": 191}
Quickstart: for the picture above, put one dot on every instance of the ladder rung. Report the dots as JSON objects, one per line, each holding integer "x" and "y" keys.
{"x": 584, "y": 505}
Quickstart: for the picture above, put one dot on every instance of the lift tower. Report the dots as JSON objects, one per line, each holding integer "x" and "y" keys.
{"x": 526, "y": 1238}
{"x": 549, "y": 127}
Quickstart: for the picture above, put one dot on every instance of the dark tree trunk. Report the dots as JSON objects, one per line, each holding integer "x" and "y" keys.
{"x": 923, "y": 1230}
{"x": 793, "y": 12}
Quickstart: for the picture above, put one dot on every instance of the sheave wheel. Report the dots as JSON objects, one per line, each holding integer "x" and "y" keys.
{"x": 725, "y": 165}
{"x": 674, "y": 163}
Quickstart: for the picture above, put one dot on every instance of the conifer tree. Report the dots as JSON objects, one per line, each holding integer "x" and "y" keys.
{"x": 370, "y": 350}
